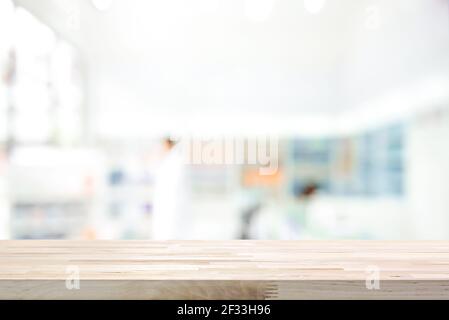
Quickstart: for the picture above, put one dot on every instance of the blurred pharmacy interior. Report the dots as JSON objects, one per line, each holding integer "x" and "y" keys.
{"x": 96, "y": 95}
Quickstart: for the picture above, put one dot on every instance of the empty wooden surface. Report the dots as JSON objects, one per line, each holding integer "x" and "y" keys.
{"x": 224, "y": 269}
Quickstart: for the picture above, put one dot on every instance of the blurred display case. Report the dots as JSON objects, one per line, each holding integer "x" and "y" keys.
{"x": 308, "y": 160}
{"x": 129, "y": 191}
{"x": 367, "y": 164}
{"x": 55, "y": 193}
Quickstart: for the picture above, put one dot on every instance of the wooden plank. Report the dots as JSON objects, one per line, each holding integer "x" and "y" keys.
{"x": 224, "y": 269}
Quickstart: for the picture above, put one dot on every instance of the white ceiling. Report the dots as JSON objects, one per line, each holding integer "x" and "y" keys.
{"x": 266, "y": 56}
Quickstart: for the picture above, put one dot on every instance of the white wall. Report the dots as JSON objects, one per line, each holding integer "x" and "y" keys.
{"x": 4, "y": 210}
{"x": 428, "y": 176}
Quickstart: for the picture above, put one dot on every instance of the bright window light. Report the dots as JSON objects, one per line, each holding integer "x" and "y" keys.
{"x": 102, "y": 5}
{"x": 207, "y": 6}
{"x": 258, "y": 10}
{"x": 6, "y": 18}
{"x": 28, "y": 27}
{"x": 314, "y": 6}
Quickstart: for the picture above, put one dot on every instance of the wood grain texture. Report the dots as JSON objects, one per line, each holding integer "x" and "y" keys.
{"x": 224, "y": 269}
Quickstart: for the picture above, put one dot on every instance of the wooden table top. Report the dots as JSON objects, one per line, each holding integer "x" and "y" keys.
{"x": 266, "y": 262}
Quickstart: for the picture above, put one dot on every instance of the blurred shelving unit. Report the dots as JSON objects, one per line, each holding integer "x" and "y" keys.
{"x": 367, "y": 164}
{"x": 54, "y": 192}
{"x": 308, "y": 160}
{"x": 353, "y": 174}
{"x": 380, "y": 164}
{"x": 129, "y": 181}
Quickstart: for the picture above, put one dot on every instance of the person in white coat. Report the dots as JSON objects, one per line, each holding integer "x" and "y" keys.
{"x": 171, "y": 218}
